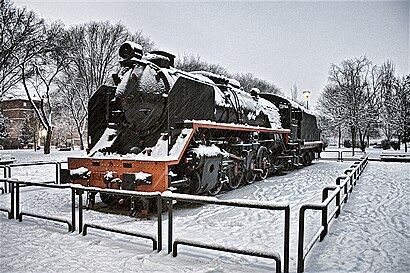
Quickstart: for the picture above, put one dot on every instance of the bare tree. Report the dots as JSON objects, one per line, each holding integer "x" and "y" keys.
{"x": 332, "y": 110}
{"x": 294, "y": 92}
{"x": 94, "y": 58}
{"x": 394, "y": 102}
{"x": 39, "y": 73}
{"x": 386, "y": 83}
{"x": 249, "y": 81}
{"x": 352, "y": 96}
{"x": 19, "y": 32}
{"x": 400, "y": 106}
{"x": 370, "y": 107}
{"x": 145, "y": 41}
{"x": 74, "y": 100}
{"x": 93, "y": 53}
{"x": 194, "y": 63}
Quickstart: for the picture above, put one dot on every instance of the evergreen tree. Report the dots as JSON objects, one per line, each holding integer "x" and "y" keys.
{"x": 4, "y": 127}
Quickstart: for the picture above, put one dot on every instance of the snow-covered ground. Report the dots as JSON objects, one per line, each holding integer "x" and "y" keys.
{"x": 371, "y": 234}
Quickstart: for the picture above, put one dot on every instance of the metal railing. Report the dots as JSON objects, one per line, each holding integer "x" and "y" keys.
{"x": 15, "y": 213}
{"x": 157, "y": 242}
{"x": 340, "y": 155}
{"x": 345, "y": 182}
{"x": 338, "y": 193}
{"x": 79, "y": 190}
{"x": 7, "y": 171}
{"x": 322, "y": 231}
{"x": 173, "y": 244}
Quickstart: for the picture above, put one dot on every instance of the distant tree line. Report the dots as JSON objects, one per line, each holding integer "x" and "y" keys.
{"x": 364, "y": 99}
{"x": 247, "y": 80}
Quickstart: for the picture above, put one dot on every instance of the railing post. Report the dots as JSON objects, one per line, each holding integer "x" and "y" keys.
{"x": 325, "y": 195}
{"x": 73, "y": 208}
{"x": 348, "y": 172}
{"x": 11, "y": 185}
{"x": 7, "y": 174}
{"x": 170, "y": 224}
{"x": 18, "y": 202}
{"x": 356, "y": 176}
{"x": 6, "y": 185}
{"x": 159, "y": 210}
{"x": 301, "y": 238}
{"x": 324, "y": 224}
{"x": 57, "y": 174}
{"x": 338, "y": 203}
{"x": 80, "y": 211}
{"x": 346, "y": 192}
{"x": 286, "y": 249}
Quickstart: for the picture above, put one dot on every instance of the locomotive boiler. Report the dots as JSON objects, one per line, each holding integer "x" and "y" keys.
{"x": 160, "y": 128}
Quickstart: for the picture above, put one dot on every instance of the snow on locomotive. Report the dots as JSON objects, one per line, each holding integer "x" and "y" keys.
{"x": 164, "y": 129}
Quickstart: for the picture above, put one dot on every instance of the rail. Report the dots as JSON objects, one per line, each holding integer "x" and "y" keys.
{"x": 5, "y": 175}
{"x": 169, "y": 198}
{"x": 345, "y": 182}
{"x": 15, "y": 212}
{"x": 157, "y": 242}
{"x": 340, "y": 155}
{"x": 7, "y": 171}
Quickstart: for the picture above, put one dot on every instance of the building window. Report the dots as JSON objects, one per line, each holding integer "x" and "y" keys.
{"x": 24, "y": 104}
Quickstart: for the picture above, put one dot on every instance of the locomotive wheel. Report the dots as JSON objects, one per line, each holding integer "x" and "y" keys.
{"x": 217, "y": 189}
{"x": 195, "y": 183}
{"x": 262, "y": 161}
{"x": 250, "y": 175}
{"x": 234, "y": 181}
{"x": 308, "y": 157}
{"x": 311, "y": 157}
{"x": 305, "y": 159}
{"x": 108, "y": 199}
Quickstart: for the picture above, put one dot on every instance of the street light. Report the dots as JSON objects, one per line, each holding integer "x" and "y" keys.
{"x": 306, "y": 93}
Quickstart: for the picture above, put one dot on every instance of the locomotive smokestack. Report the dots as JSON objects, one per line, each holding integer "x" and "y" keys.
{"x": 130, "y": 49}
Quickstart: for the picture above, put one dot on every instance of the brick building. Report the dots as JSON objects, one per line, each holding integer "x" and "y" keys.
{"x": 16, "y": 110}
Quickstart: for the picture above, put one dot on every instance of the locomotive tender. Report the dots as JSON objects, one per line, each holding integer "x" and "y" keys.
{"x": 164, "y": 129}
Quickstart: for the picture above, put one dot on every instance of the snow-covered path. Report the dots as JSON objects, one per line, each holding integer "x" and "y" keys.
{"x": 35, "y": 245}
{"x": 372, "y": 233}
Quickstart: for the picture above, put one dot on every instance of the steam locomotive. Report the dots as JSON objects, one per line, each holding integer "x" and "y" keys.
{"x": 160, "y": 128}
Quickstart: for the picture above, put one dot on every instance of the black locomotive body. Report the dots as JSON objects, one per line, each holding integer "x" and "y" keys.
{"x": 163, "y": 129}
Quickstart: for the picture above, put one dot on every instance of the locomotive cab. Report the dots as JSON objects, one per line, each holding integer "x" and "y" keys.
{"x": 305, "y": 135}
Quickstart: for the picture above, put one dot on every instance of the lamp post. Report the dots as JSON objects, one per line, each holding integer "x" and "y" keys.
{"x": 306, "y": 93}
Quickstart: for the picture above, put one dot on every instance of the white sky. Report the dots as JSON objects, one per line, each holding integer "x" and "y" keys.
{"x": 281, "y": 42}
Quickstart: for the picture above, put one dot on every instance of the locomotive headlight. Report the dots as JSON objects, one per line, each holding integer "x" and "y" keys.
{"x": 130, "y": 49}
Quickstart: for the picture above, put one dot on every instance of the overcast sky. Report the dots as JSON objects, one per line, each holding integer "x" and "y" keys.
{"x": 281, "y": 42}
